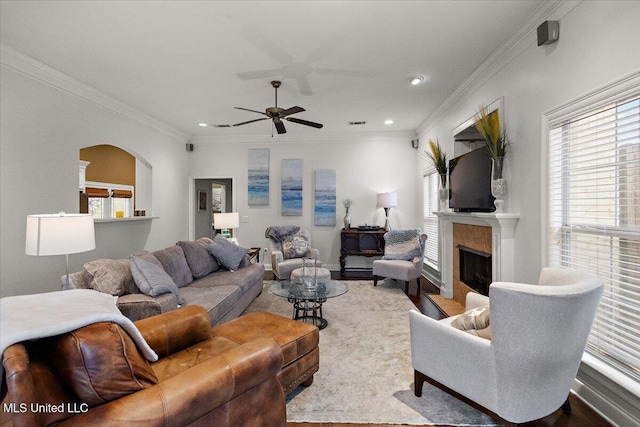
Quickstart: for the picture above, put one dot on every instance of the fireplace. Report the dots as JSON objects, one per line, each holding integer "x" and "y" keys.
{"x": 475, "y": 269}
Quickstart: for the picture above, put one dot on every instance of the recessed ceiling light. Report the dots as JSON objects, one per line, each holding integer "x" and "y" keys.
{"x": 388, "y": 122}
{"x": 416, "y": 80}
{"x": 204, "y": 125}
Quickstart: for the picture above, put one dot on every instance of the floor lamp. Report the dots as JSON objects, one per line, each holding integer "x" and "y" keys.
{"x": 59, "y": 234}
{"x": 387, "y": 201}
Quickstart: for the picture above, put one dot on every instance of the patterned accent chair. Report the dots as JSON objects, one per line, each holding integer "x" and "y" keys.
{"x": 400, "y": 269}
{"x": 284, "y": 256}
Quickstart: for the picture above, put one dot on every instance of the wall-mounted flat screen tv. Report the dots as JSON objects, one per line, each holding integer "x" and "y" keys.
{"x": 470, "y": 182}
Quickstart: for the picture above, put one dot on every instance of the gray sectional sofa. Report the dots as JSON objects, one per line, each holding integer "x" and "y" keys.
{"x": 199, "y": 277}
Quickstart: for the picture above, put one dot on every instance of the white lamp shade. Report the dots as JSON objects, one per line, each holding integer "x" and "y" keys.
{"x": 223, "y": 221}
{"x": 387, "y": 200}
{"x": 59, "y": 234}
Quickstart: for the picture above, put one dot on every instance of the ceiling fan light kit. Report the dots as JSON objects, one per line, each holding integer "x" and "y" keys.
{"x": 276, "y": 114}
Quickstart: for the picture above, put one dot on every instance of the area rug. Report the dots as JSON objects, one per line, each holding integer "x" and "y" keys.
{"x": 365, "y": 371}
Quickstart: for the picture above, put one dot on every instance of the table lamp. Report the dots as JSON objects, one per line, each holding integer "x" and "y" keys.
{"x": 59, "y": 234}
{"x": 226, "y": 222}
{"x": 387, "y": 201}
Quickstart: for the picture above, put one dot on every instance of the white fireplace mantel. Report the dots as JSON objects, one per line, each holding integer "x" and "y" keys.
{"x": 503, "y": 226}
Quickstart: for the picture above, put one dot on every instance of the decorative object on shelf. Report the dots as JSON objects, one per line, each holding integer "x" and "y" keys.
{"x": 291, "y": 187}
{"x": 439, "y": 159}
{"x": 60, "y": 234}
{"x": 347, "y": 218}
{"x": 309, "y": 273}
{"x": 325, "y": 197}
{"x": 387, "y": 201}
{"x": 498, "y": 184}
{"x": 488, "y": 123}
{"x": 226, "y": 222}
{"x": 258, "y": 179}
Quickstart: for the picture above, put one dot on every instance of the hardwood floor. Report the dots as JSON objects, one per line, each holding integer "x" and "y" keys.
{"x": 581, "y": 415}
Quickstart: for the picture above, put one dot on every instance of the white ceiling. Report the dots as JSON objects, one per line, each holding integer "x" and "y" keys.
{"x": 185, "y": 62}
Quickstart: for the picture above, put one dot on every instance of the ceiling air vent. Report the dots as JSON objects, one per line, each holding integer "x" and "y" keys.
{"x": 356, "y": 123}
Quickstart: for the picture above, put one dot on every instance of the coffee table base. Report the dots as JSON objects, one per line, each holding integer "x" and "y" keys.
{"x": 309, "y": 312}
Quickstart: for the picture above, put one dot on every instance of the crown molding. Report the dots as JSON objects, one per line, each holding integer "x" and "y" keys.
{"x": 316, "y": 138}
{"x": 499, "y": 58}
{"x": 31, "y": 67}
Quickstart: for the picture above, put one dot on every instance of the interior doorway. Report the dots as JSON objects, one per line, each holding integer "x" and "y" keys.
{"x": 212, "y": 195}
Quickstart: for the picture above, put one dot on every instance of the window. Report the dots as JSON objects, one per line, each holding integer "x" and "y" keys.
{"x": 108, "y": 200}
{"x": 430, "y": 188}
{"x": 594, "y": 215}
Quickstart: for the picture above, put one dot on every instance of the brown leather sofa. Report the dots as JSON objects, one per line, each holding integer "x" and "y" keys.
{"x": 96, "y": 376}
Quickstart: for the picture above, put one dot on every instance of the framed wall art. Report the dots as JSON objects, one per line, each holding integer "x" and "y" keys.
{"x": 258, "y": 179}
{"x": 291, "y": 187}
{"x": 325, "y": 197}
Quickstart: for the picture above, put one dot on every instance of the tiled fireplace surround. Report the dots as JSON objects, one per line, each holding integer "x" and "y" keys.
{"x": 485, "y": 232}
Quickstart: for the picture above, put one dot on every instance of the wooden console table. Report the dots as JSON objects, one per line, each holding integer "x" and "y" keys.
{"x": 357, "y": 242}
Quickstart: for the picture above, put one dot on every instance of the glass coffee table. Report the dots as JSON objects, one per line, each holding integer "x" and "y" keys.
{"x": 307, "y": 303}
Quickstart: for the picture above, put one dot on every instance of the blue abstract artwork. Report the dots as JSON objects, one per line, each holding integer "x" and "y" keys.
{"x": 291, "y": 186}
{"x": 325, "y": 197}
{"x": 258, "y": 180}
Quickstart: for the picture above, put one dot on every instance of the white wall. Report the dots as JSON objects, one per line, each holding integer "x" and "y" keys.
{"x": 365, "y": 165}
{"x": 598, "y": 44}
{"x": 42, "y": 130}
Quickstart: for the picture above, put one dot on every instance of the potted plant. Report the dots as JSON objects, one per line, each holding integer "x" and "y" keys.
{"x": 439, "y": 159}
{"x": 496, "y": 142}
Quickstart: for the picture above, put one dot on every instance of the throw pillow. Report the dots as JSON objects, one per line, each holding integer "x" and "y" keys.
{"x": 100, "y": 363}
{"x": 175, "y": 264}
{"x": 295, "y": 246}
{"x": 402, "y": 244}
{"x": 153, "y": 280}
{"x": 474, "y": 321}
{"x": 110, "y": 276}
{"x": 228, "y": 254}
{"x": 198, "y": 258}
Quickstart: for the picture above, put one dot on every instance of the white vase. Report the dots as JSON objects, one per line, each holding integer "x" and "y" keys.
{"x": 498, "y": 183}
{"x": 443, "y": 193}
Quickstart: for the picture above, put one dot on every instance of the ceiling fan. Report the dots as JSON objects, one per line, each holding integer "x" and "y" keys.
{"x": 277, "y": 115}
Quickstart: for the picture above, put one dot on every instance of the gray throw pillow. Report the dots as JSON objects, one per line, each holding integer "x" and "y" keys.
{"x": 175, "y": 264}
{"x": 229, "y": 255}
{"x": 153, "y": 280}
{"x": 402, "y": 244}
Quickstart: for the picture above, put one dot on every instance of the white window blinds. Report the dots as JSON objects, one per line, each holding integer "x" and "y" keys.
{"x": 430, "y": 188}
{"x": 594, "y": 217}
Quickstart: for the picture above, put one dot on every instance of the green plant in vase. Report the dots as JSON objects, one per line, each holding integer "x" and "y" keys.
{"x": 439, "y": 159}
{"x": 488, "y": 124}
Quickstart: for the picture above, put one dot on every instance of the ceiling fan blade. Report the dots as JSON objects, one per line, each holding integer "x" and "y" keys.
{"x": 253, "y": 111}
{"x": 221, "y": 126}
{"x": 280, "y": 127}
{"x": 250, "y": 121}
{"x": 304, "y": 122}
{"x": 292, "y": 110}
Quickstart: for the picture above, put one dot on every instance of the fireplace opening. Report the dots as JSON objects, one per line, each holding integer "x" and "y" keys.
{"x": 475, "y": 269}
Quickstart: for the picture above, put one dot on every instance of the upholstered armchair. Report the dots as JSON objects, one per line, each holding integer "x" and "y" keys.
{"x": 525, "y": 370}
{"x": 95, "y": 376}
{"x": 403, "y": 268}
{"x": 289, "y": 245}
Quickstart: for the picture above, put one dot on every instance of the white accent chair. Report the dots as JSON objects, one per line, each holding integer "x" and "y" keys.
{"x": 282, "y": 267}
{"x": 398, "y": 269}
{"x": 525, "y": 372}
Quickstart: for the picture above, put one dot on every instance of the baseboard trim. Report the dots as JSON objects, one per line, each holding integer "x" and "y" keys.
{"x": 609, "y": 399}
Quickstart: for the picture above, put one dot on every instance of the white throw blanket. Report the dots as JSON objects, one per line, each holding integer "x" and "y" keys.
{"x": 27, "y": 317}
